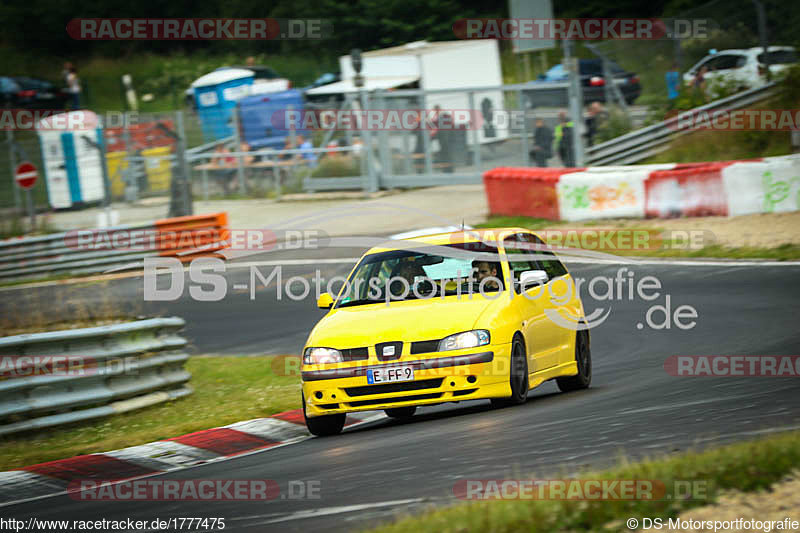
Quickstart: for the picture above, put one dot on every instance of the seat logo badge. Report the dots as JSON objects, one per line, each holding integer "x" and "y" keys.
{"x": 388, "y": 350}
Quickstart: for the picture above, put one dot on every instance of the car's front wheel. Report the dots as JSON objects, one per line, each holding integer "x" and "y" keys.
{"x": 518, "y": 377}
{"x": 583, "y": 356}
{"x": 324, "y": 426}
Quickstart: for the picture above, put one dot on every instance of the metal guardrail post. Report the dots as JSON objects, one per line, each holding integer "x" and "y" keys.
{"x": 12, "y": 162}
{"x": 526, "y": 149}
{"x": 575, "y": 103}
{"x": 476, "y": 155}
{"x": 181, "y": 201}
{"x": 426, "y": 137}
{"x": 366, "y": 135}
{"x": 238, "y": 142}
{"x": 384, "y": 150}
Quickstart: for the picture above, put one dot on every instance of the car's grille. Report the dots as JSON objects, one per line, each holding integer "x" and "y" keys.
{"x": 424, "y": 346}
{"x": 397, "y": 400}
{"x": 463, "y": 392}
{"x": 355, "y": 354}
{"x": 398, "y": 349}
{"x": 394, "y": 387}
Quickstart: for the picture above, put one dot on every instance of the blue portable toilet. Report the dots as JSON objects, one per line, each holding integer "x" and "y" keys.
{"x": 216, "y": 95}
{"x": 263, "y": 118}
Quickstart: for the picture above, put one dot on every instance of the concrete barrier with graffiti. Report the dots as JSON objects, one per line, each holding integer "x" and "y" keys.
{"x": 719, "y": 188}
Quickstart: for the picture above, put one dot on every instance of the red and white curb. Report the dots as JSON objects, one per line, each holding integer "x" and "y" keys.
{"x": 215, "y": 444}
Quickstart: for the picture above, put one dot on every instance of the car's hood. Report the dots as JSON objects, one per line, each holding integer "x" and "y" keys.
{"x": 414, "y": 320}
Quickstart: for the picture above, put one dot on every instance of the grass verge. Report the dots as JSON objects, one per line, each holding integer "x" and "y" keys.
{"x": 784, "y": 252}
{"x": 748, "y": 467}
{"x": 226, "y": 390}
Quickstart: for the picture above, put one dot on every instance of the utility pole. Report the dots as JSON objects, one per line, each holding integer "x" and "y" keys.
{"x": 575, "y": 102}
{"x": 762, "y": 35}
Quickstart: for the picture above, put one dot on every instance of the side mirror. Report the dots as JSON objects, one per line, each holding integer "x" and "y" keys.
{"x": 325, "y": 301}
{"x": 532, "y": 277}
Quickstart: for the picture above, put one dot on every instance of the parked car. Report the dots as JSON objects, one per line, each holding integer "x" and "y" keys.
{"x": 31, "y": 93}
{"x": 746, "y": 67}
{"x": 593, "y": 82}
{"x": 325, "y": 79}
{"x": 8, "y": 91}
{"x": 42, "y": 94}
{"x": 325, "y": 100}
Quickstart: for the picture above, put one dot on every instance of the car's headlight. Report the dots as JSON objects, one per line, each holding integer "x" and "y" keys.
{"x": 467, "y": 339}
{"x": 316, "y": 356}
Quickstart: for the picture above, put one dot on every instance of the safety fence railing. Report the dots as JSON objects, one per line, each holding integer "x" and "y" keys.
{"x": 98, "y": 250}
{"x": 61, "y": 377}
{"x": 646, "y": 142}
{"x": 270, "y": 172}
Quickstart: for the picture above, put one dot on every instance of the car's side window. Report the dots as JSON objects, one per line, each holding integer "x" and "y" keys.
{"x": 553, "y": 266}
{"x": 726, "y": 61}
{"x": 517, "y": 266}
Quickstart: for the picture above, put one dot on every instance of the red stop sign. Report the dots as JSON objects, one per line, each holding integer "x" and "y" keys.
{"x": 25, "y": 175}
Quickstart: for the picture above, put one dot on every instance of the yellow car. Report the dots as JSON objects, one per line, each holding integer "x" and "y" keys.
{"x": 468, "y": 315}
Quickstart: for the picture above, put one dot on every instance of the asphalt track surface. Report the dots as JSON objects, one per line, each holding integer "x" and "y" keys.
{"x": 369, "y": 475}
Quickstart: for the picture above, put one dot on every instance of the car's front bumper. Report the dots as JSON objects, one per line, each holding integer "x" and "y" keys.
{"x": 446, "y": 378}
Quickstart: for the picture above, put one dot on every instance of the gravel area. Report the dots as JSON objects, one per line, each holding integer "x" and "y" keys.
{"x": 768, "y": 230}
{"x": 783, "y": 501}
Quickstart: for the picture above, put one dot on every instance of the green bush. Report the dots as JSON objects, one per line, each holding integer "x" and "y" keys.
{"x": 337, "y": 167}
{"x": 618, "y": 123}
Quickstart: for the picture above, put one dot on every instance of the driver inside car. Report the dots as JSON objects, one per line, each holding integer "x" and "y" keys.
{"x": 485, "y": 270}
{"x": 408, "y": 270}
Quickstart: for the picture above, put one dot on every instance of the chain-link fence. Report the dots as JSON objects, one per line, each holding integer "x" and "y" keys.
{"x": 256, "y": 152}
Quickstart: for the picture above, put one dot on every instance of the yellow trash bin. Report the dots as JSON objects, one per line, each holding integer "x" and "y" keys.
{"x": 158, "y": 168}
{"x": 116, "y": 163}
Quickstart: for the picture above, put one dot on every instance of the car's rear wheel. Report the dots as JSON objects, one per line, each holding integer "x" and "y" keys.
{"x": 326, "y": 425}
{"x": 583, "y": 356}
{"x": 518, "y": 376}
{"x": 401, "y": 412}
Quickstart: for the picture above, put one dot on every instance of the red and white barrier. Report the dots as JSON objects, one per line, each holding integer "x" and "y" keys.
{"x": 638, "y": 191}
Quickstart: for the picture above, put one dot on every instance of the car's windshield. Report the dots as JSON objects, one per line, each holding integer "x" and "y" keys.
{"x": 399, "y": 275}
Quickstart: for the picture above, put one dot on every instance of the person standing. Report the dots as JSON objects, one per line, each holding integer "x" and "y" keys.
{"x": 307, "y": 151}
{"x": 65, "y": 73}
{"x": 563, "y": 138}
{"x": 699, "y": 83}
{"x": 673, "y": 79}
{"x": 74, "y": 87}
{"x": 542, "y": 144}
{"x": 444, "y": 133}
{"x": 594, "y": 118}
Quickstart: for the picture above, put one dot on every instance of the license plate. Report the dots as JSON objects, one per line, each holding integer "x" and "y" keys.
{"x": 390, "y": 374}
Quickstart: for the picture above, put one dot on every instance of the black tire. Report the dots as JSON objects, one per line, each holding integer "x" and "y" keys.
{"x": 518, "y": 377}
{"x": 401, "y": 412}
{"x": 583, "y": 356}
{"x": 324, "y": 426}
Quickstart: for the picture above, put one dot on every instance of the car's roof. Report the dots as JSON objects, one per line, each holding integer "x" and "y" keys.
{"x": 455, "y": 237}
{"x": 749, "y": 51}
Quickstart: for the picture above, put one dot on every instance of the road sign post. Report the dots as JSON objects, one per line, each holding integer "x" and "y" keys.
{"x": 25, "y": 175}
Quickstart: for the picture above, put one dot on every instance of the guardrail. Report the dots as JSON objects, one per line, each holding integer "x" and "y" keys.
{"x": 66, "y": 253}
{"x": 60, "y": 377}
{"x": 646, "y": 142}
